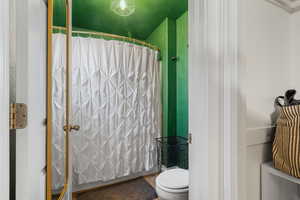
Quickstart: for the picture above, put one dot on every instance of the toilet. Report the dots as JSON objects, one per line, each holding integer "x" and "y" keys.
{"x": 173, "y": 185}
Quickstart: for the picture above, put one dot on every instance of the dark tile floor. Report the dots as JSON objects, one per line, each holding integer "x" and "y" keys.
{"x": 137, "y": 189}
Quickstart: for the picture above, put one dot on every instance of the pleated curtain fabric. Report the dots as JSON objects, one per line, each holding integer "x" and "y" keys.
{"x": 286, "y": 146}
{"x": 116, "y": 100}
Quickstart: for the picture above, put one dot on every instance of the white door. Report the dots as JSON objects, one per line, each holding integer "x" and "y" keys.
{"x": 198, "y": 107}
{"x": 4, "y": 100}
{"x": 31, "y": 52}
{"x": 30, "y": 17}
{"x": 214, "y": 99}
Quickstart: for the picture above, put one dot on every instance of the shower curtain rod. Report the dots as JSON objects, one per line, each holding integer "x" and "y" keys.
{"x": 111, "y": 36}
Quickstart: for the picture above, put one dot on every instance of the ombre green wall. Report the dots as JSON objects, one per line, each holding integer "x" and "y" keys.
{"x": 164, "y": 36}
{"x": 171, "y": 37}
{"x": 160, "y": 22}
{"x": 182, "y": 76}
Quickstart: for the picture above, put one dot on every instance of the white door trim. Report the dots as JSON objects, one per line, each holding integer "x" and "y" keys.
{"x": 4, "y": 100}
{"x": 31, "y": 48}
{"x": 214, "y": 99}
{"x": 231, "y": 102}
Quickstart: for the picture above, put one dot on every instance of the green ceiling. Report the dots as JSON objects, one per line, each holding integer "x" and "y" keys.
{"x": 97, "y": 15}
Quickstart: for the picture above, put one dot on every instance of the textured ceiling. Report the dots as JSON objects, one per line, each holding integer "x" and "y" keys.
{"x": 97, "y": 15}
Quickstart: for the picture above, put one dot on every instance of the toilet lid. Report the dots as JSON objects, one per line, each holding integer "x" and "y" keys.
{"x": 174, "y": 179}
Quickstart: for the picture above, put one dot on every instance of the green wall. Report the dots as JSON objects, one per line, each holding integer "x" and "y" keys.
{"x": 182, "y": 76}
{"x": 164, "y": 36}
{"x": 171, "y": 37}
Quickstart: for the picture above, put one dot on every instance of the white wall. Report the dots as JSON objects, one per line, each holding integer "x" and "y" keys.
{"x": 295, "y": 51}
{"x": 265, "y": 55}
{"x": 264, "y": 50}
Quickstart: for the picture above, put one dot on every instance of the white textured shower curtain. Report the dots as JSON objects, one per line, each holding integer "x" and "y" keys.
{"x": 116, "y": 100}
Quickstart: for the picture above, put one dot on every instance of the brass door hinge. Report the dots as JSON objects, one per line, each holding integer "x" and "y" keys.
{"x": 17, "y": 116}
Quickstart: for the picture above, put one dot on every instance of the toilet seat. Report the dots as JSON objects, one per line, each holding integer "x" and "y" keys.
{"x": 174, "y": 181}
{"x": 183, "y": 190}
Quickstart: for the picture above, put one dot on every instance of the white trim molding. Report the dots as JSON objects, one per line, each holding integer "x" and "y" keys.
{"x": 4, "y": 100}
{"x": 198, "y": 101}
{"x": 230, "y": 90}
{"x": 214, "y": 98}
{"x": 31, "y": 51}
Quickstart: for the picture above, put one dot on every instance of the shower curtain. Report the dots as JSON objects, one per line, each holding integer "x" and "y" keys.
{"x": 116, "y": 100}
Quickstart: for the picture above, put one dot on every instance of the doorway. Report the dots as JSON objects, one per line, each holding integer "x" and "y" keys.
{"x": 139, "y": 67}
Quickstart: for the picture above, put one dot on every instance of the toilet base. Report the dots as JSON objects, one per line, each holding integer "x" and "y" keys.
{"x": 164, "y": 195}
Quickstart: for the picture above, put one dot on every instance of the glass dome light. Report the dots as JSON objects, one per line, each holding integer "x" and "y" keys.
{"x": 123, "y": 7}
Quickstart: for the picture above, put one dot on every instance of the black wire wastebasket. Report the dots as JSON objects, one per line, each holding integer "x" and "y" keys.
{"x": 172, "y": 151}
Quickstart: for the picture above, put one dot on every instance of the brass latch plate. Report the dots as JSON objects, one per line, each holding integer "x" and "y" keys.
{"x": 190, "y": 138}
{"x": 18, "y": 116}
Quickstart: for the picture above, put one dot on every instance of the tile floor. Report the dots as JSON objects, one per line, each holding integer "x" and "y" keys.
{"x": 93, "y": 194}
{"x": 151, "y": 181}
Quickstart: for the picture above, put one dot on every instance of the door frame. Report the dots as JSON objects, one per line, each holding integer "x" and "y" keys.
{"x": 215, "y": 24}
{"x": 215, "y": 103}
{"x": 4, "y": 99}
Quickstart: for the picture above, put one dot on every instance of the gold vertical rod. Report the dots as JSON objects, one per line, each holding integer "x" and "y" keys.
{"x": 49, "y": 102}
{"x": 68, "y": 95}
{"x": 68, "y": 83}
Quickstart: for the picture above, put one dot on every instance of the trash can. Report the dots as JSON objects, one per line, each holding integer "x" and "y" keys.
{"x": 173, "y": 151}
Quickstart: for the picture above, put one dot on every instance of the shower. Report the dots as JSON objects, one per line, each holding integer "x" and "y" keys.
{"x": 116, "y": 86}
{"x": 116, "y": 103}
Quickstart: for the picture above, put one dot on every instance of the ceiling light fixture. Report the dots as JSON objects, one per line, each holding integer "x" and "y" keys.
{"x": 123, "y": 4}
{"x": 123, "y": 7}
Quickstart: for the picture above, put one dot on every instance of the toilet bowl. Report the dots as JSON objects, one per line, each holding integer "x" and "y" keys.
{"x": 173, "y": 185}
